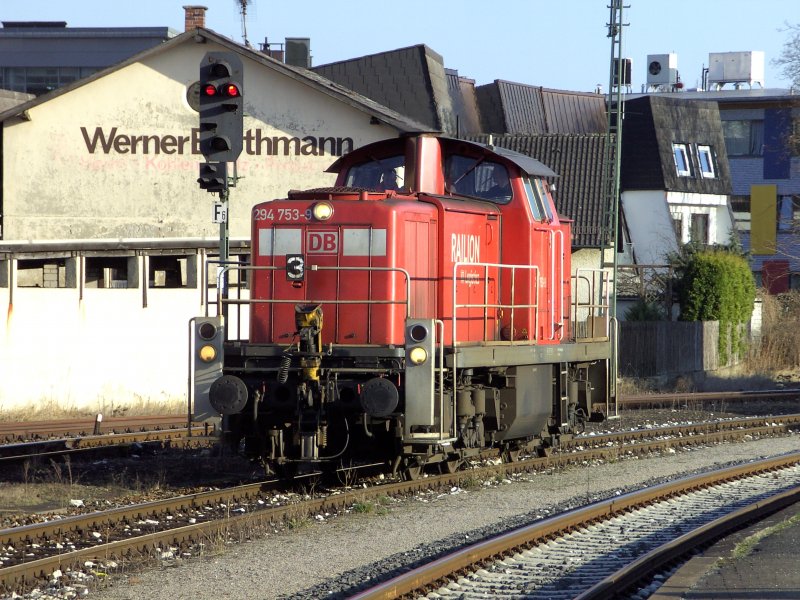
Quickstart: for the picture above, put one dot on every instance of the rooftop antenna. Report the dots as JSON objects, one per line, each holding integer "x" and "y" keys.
{"x": 243, "y": 10}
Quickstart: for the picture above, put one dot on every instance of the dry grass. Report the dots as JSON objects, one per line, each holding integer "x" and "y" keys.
{"x": 779, "y": 351}
{"x": 49, "y": 409}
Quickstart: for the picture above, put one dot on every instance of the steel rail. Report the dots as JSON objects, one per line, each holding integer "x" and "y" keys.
{"x": 25, "y": 573}
{"x": 440, "y": 570}
{"x": 15, "y": 431}
{"x": 657, "y": 559}
{"x": 738, "y": 396}
{"x": 184, "y": 438}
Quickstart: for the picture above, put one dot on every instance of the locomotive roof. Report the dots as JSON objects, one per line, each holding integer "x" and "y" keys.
{"x": 525, "y": 163}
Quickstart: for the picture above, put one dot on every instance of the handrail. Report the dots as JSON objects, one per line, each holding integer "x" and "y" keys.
{"x": 237, "y": 266}
{"x": 594, "y": 308}
{"x": 555, "y": 284}
{"x": 485, "y": 306}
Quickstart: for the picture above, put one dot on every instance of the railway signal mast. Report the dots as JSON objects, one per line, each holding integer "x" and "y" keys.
{"x": 221, "y": 129}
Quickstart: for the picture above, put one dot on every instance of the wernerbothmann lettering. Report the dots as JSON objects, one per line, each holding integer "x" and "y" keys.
{"x": 112, "y": 141}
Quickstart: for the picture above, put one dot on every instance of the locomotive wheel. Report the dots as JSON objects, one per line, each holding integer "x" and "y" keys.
{"x": 511, "y": 456}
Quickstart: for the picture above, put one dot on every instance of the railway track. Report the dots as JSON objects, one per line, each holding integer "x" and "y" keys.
{"x": 600, "y": 550}
{"x": 186, "y": 524}
{"x": 27, "y": 431}
{"x": 47, "y": 439}
{"x": 680, "y": 399}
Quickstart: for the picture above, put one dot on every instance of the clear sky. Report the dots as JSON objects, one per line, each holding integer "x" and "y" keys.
{"x": 553, "y": 43}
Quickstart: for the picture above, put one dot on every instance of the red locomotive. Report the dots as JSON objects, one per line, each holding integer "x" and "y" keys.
{"x": 421, "y": 310}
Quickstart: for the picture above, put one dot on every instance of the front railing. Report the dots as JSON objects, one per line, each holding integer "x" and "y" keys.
{"x": 225, "y": 303}
{"x": 589, "y": 310}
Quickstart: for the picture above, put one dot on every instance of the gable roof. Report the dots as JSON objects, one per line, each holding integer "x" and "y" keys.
{"x": 578, "y": 160}
{"x": 320, "y": 84}
{"x": 517, "y": 108}
{"x": 652, "y": 125}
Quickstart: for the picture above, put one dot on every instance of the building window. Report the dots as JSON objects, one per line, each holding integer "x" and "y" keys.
{"x": 794, "y": 218}
{"x": 794, "y": 139}
{"x": 112, "y": 271}
{"x": 677, "y": 224}
{"x": 705, "y": 156}
{"x": 740, "y": 203}
{"x": 681, "y": 159}
{"x": 744, "y": 138}
{"x": 46, "y": 273}
{"x": 698, "y": 233}
{"x": 168, "y": 272}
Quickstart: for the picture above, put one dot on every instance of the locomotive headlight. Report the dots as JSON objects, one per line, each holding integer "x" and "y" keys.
{"x": 207, "y": 353}
{"x": 322, "y": 211}
{"x": 418, "y": 355}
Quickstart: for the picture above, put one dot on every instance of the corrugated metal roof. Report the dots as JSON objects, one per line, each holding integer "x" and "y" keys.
{"x": 464, "y": 103}
{"x": 574, "y": 112}
{"x": 578, "y": 160}
{"x": 516, "y": 108}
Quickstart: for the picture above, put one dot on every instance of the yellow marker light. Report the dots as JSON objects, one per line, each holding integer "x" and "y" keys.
{"x": 322, "y": 211}
{"x": 208, "y": 353}
{"x": 418, "y": 355}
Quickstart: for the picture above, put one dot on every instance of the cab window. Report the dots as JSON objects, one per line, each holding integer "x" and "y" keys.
{"x": 541, "y": 186}
{"x": 381, "y": 175}
{"x": 469, "y": 176}
{"x": 538, "y": 200}
{"x": 534, "y": 201}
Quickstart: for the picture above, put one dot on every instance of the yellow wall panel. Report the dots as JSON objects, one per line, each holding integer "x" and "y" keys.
{"x": 763, "y": 212}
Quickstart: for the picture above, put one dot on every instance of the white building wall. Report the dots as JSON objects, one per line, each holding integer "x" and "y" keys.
{"x": 720, "y": 217}
{"x": 649, "y": 225}
{"x": 103, "y": 350}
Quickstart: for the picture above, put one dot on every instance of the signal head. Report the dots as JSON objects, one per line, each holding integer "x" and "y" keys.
{"x": 231, "y": 90}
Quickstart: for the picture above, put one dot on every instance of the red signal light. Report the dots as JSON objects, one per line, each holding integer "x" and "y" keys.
{"x": 231, "y": 90}
{"x": 209, "y": 90}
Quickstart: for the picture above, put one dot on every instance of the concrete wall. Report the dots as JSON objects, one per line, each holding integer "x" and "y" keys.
{"x": 97, "y": 348}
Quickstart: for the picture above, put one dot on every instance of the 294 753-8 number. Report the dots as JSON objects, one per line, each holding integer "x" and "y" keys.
{"x": 280, "y": 214}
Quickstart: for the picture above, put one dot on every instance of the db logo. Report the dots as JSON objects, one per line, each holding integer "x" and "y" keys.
{"x": 322, "y": 242}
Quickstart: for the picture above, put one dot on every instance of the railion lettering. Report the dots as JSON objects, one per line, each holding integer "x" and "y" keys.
{"x": 465, "y": 248}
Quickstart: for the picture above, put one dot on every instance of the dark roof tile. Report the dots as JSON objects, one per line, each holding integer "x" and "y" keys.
{"x": 579, "y": 194}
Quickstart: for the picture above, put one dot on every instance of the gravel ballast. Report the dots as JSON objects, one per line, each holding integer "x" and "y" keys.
{"x": 332, "y": 556}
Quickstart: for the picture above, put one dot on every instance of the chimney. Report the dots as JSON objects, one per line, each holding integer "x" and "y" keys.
{"x": 194, "y": 17}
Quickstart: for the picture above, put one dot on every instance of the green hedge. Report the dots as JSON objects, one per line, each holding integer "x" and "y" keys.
{"x": 718, "y": 286}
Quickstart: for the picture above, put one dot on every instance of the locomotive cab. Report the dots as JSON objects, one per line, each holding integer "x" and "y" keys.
{"x": 419, "y": 311}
